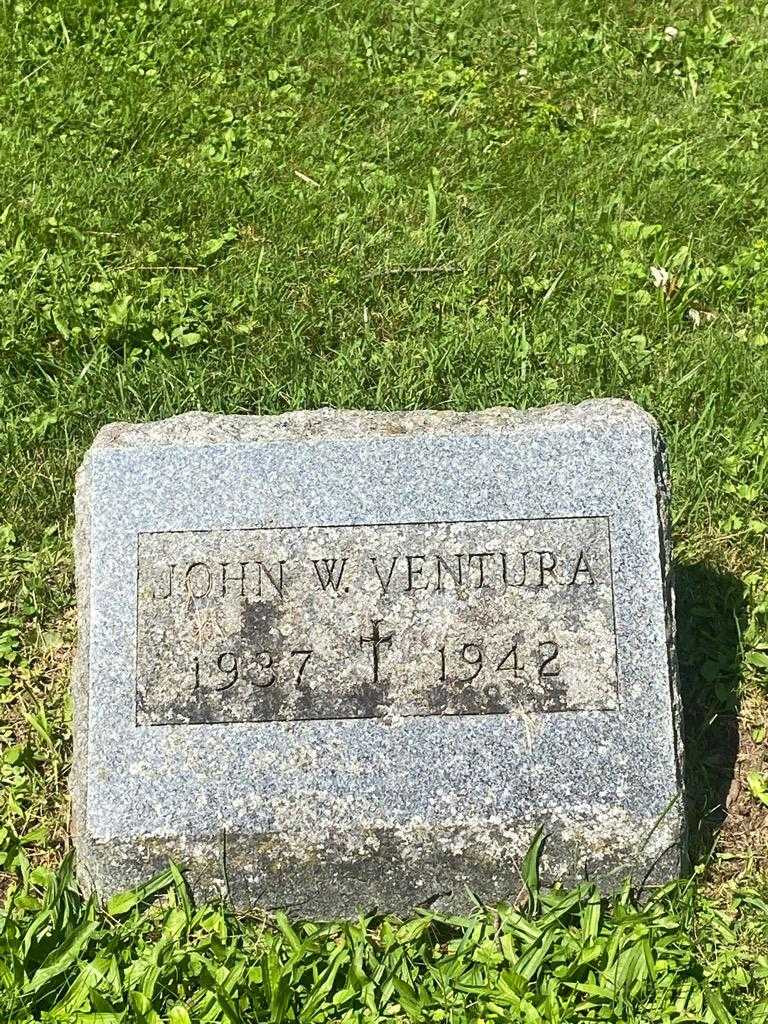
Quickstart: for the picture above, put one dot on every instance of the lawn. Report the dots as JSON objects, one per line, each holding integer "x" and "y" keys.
{"x": 256, "y": 208}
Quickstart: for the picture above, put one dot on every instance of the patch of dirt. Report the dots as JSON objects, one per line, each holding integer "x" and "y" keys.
{"x": 743, "y": 834}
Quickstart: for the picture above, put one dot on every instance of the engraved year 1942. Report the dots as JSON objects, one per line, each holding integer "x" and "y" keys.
{"x": 523, "y": 660}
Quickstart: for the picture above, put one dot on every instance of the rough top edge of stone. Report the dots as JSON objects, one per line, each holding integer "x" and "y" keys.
{"x": 202, "y": 428}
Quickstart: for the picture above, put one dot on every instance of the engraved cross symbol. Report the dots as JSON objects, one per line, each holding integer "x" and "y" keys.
{"x": 377, "y": 640}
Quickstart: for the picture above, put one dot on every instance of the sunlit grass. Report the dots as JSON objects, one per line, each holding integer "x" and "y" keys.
{"x": 258, "y": 208}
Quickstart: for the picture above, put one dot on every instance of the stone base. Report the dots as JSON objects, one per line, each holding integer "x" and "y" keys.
{"x": 365, "y": 782}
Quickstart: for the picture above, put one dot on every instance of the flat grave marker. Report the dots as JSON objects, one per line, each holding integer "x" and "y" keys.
{"x": 333, "y": 661}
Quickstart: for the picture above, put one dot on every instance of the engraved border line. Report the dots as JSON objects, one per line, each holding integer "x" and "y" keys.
{"x": 350, "y": 526}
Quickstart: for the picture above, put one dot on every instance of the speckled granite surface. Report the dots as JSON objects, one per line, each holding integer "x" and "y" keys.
{"x": 334, "y": 661}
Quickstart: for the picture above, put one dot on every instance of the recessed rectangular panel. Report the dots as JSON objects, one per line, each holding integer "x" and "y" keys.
{"x": 375, "y": 621}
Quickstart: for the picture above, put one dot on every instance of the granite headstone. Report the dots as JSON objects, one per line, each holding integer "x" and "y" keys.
{"x": 333, "y": 661}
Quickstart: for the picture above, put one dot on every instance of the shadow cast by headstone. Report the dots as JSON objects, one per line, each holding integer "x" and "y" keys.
{"x": 711, "y": 616}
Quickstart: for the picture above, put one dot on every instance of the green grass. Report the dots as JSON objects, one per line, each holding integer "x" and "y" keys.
{"x": 254, "y": 208}
{"x": 559, "y": 957}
